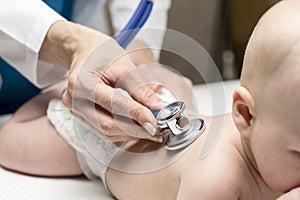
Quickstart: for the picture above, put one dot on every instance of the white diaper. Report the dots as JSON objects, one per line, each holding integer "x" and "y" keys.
{"x": 94, "y": 151}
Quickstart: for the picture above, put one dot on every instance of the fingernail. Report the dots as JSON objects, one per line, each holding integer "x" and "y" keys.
{"x": 149, "y": 128}
{"x": 158, "y": 139}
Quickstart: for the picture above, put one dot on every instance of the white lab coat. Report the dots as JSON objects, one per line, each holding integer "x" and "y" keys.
{"x": 24, "y": 24}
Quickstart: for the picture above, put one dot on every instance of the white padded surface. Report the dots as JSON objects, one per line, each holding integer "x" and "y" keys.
{"x": 14, "y": 186}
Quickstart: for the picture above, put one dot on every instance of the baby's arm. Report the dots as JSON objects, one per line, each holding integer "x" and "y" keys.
{"x": 30, "y": 144}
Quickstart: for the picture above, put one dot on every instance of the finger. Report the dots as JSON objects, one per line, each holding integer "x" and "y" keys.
{"x": 105, "y": 123}
{"x": 118, "y": 103}
{"x": 122, "y": 130}
{"x": 132, "y": 130}
{"x": 68, "y": 94}
{"x": 113, "y": 138}
{"x": 158, "y": 139}
{"x": 154, "y": 74}
{"x": 121, "y": 138}
{"x": 148, "y": 97}
{"x": 166, "y": 95}
{"x": 141, "y": 88}
{"x": 67, "y": 98}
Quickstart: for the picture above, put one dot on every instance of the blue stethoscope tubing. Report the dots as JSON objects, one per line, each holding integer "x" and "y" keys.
{"x": 136, "y": 22}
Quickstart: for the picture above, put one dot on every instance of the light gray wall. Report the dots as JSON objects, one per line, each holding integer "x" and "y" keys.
{"x": 199, "y": 19}
{"x": 202, "y": 21}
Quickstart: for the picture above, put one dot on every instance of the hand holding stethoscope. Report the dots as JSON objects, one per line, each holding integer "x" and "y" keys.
{"x": 95, "y": 73}
{"x": 69, "y": 45}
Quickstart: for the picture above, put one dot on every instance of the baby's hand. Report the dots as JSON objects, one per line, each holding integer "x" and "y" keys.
{"x": 291, "y": 195}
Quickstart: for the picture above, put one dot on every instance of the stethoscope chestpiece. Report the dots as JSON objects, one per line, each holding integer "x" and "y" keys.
{"x": 182, "y": 130}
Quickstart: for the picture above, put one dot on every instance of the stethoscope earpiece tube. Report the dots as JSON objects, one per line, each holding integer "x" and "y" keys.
{"x": 136, "y": 22}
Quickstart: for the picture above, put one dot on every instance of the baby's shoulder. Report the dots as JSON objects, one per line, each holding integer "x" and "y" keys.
{"x": 219, "y": 175}
{"x": 214, "y": 182}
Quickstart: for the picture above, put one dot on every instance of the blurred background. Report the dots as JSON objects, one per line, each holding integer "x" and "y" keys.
{"x": 222, "y": 27}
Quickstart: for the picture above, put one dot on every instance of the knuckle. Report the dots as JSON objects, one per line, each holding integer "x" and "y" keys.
{"x": 71, "y": 81}
{"x": 116, "y": 138}
{"x": 107, "y": 127}
{"x": 138, "y": 114}
{"x": 149, "y": 92}
{"x": 66, "y": 100}
{"x": 113, "y": 139}
{"x": 107, "y": 103}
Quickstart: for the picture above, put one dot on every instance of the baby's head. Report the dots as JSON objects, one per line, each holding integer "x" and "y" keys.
{"x": 266, "y": 108}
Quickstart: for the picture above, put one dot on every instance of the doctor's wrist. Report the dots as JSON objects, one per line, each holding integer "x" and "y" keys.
{"x": 53, "y": 49}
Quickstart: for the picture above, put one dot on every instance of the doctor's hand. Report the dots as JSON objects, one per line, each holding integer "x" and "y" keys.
{"x": 169, "y": 84}
{"x": 94, "y": 75}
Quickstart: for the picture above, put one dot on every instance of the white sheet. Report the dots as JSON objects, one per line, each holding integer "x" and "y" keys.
{"x": 14, "y": 186}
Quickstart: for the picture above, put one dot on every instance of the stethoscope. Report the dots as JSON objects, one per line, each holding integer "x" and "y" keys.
{"x": 135, "y": 23}
{"x": 182, "y": 131}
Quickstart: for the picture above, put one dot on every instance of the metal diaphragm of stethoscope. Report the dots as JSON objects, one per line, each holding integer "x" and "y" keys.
{"x": 182, "y": 130}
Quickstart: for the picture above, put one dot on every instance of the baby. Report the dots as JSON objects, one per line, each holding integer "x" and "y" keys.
{"x": 257, "y": 155}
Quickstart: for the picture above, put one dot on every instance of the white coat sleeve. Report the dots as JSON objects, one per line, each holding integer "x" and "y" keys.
{"x": 122, "y": 10}
{"x": 23, "y": 27}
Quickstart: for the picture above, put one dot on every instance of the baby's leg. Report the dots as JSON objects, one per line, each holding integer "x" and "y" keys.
{"x": 30, "y": 144}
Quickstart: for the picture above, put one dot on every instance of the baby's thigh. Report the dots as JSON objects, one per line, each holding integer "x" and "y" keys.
{"x": 37, "y": 106}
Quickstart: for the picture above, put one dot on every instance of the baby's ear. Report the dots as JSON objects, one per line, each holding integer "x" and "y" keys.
{"x": 243, "y": 110}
